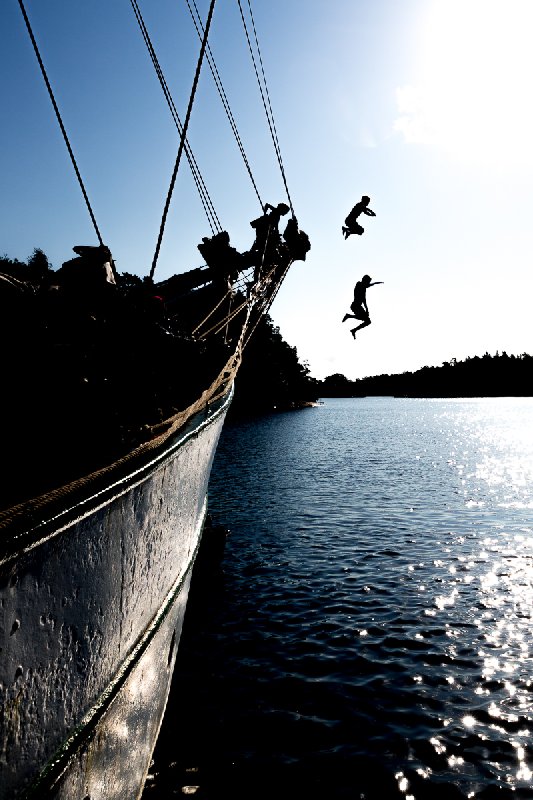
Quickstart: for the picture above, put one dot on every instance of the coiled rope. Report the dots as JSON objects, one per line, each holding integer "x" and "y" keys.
{"x": 60, "y": 121}
{"x": 207, "y": 203}
{"x": 182, "y": 139}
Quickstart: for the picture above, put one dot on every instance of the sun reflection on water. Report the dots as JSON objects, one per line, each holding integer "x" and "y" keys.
{"x": 493, "y": 457}
{"x": 490, "y": 586}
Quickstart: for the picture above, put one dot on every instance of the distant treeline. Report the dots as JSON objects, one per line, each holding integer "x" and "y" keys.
{"x": 34, "y": 269}
{"x": 500, "y": 375}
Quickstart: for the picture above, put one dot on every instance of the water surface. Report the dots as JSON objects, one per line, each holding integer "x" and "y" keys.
{"x": 372, "y": 633}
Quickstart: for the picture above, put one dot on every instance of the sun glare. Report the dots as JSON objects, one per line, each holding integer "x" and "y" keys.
{"x": 473, "y": 93}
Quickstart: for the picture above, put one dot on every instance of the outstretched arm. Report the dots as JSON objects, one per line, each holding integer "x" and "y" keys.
{"x": 376, "y": 283}
{"x": 369, "y": 212}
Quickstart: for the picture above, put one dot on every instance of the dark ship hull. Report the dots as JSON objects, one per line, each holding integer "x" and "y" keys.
{"x": 93, "y": 599}
{"x": 95, "y": 570}
{"x": 116, "y": 393}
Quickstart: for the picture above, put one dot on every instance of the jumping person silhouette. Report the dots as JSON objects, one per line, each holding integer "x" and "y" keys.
{"x": 359, "y": 306}
{"x": 350, "y": 223}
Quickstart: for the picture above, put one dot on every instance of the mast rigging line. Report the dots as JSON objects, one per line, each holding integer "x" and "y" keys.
{"x": 183, "y": 135}
{"x": 266, "y": 305}
{"x": 207, "y": 203}
{"x": 60, "y": 121}
{"x": 197, "y": 21}
{"x": 265, "y": 94}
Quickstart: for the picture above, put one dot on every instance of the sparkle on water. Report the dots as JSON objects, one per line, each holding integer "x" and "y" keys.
{"x": 377, "y": 612}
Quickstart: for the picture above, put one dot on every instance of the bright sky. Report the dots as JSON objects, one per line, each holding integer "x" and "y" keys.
{"x": 424, "y": 105}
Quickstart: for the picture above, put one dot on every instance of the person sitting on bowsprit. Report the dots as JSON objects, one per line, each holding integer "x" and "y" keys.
{"x": 296, "y": 241}
{"x": 267, "y": 237}
{"x": 223, "y": 260}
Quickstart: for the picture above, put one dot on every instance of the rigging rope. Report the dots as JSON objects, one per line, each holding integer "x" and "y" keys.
{"x": 182, "y": 139}
{"x": 60, "y": 121}
{"x": 223, "y": 96}
{"x": 266, "y": 305}
{"x": 210, "y": 314}
{"x": 207, "y": 203}
{"x": 266, "y": 102}
{"x": 254, "y": 301}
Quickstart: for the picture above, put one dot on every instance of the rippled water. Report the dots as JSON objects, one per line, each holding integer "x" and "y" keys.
{"x": 372, "y": 634}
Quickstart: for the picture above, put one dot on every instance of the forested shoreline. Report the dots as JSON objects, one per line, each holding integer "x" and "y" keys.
{"x": 499, "y": 375}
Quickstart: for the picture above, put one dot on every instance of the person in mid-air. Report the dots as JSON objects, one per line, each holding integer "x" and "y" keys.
{"x": 350, "y": 223}
{"x": 359, "y": 306}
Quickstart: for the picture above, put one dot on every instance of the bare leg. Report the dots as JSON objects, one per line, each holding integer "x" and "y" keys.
{"x": 362, "y": 325}
{"x": 349, "y": 316}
